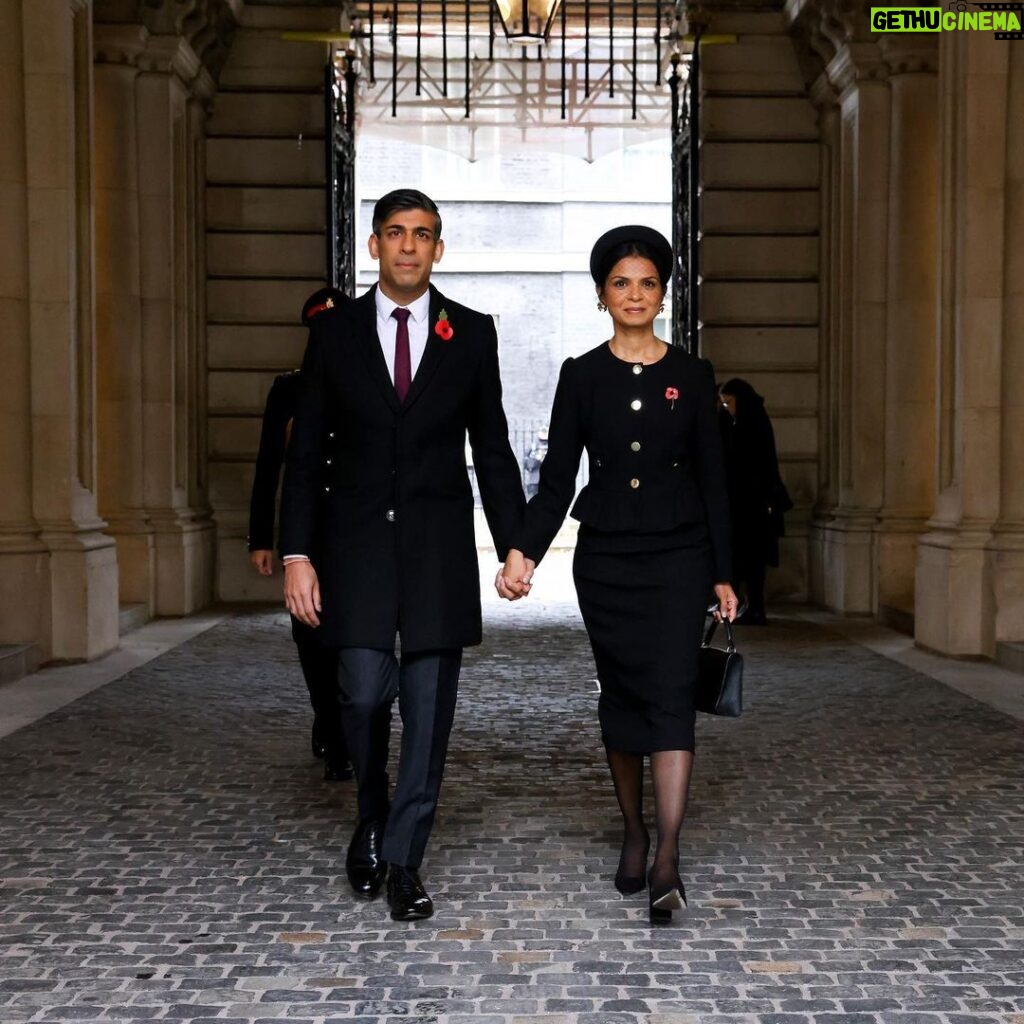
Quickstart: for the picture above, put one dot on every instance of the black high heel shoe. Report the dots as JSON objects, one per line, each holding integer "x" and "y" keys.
{"x": 630, "y": 885}
{"x": 664, "y": 900}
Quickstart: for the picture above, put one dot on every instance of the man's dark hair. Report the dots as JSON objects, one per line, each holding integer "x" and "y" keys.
{"x": 404, "y": 199}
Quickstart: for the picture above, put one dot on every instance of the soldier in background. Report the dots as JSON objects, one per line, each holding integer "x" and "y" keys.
{"x": 319, "y": 663}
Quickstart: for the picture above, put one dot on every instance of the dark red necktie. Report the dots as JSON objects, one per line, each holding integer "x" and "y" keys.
{"x": 403, "y": 361}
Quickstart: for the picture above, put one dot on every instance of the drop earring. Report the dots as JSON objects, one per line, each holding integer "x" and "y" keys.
{"x": 661, "y": 308}
{"x": 602, "y": 308}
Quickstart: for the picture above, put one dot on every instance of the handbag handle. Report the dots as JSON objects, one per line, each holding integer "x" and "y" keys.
{"x": 731, "y": 642}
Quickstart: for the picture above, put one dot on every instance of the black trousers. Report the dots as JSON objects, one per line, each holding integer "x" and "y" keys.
{"x": 426, "y": 685}
{"x": 320, "y": 671}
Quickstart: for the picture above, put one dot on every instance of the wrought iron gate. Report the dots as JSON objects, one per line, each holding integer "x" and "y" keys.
{"x": 686, "y": 202}
{"x": 339, "y": 174}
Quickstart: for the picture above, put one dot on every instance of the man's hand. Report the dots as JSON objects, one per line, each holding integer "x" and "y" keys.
{"x": 727, "y": 602}
{"x": 514, "y": 577}
{"x": 262, "y": 561}
{"x": 302, "y": 592}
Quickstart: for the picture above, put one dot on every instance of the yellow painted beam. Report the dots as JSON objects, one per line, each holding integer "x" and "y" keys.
{"x": 316, "y": 37}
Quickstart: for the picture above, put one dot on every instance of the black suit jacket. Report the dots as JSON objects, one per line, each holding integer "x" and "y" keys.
{"x": 395, "y": 548}
{"x": 280, "y": 408}
{"x": 655, "y": 461}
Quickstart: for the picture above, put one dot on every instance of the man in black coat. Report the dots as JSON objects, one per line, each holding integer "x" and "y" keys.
{"x": 319, "y": 663}
{"x": 400, "y": 374}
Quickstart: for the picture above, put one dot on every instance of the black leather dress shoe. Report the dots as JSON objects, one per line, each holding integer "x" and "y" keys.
{"x": 337, "y": 769}
{"x": 363, "y": 864}
{"x": 407, "y": 898}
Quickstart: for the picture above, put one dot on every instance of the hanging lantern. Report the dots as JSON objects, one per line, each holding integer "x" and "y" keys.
{"x": 527, "y": 21}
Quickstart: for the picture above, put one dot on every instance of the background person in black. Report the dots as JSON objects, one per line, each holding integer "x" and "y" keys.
{"x": 402, "y": 374}
{"x": 319, "y": 663}
{"x": 653, "y": 539}
{"x": 758, "y": 499}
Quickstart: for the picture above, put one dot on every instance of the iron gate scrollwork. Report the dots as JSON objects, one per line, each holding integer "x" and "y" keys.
{"x": 339, "y": 174}
{"x": 686, "y": 202}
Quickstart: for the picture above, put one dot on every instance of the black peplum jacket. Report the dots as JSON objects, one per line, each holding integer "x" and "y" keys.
{"x": 654, "y": 448}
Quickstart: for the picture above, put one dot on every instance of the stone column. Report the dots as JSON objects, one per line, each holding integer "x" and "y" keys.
{"x": 171, "y": 79}
{"x": 955, "y": 610}
{"x": 24, "y": 561}
{"x": 57, "y": 58}
{"x": 860, "y": 215}
{"x": 118, "y": 310}
{"x": 826, "y": 102}
{"x": 909, "y": 416}
{"x": 759, "y": 176}
{"x": 1008, "y": 540}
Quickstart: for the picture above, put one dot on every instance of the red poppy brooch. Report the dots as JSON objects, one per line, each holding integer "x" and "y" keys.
{"x": 443, "y": 328}
{"x": 672, "y": 394}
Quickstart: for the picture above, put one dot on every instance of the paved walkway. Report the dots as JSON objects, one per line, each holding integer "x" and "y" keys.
{"x": 853, "y": 853}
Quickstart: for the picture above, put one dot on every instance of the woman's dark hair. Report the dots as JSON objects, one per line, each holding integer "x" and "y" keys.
{"x": 641, "y": 249}
{"x": 404, "y": 199}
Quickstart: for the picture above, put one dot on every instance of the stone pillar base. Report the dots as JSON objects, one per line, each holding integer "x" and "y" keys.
{"x": 83, "y": 583}
{"x": 1007, "y": 559}
{"x": 842, "y": 564}
{"x": 788, "y": 582}
{"x": 237, "y": 580}
{"x": 954, "y": 611}
{"x": 136, "y": 559}
{"x": 25, "y": 593}
{"x": 895, "y": 553}
{"x": 184, "y": 563}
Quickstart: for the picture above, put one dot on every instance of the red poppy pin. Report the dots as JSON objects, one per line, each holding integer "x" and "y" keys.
{"x": 443, "y": 328}
{"x": 672, "y": 394}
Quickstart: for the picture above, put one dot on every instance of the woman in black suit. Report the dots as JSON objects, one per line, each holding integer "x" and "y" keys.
{"x": 653, "y": 540}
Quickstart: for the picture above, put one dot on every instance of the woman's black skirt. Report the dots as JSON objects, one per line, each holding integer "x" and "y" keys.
{"x": 643, "y": 601}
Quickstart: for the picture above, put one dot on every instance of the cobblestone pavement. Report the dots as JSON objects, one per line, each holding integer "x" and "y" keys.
{"x": 853, "y": 852}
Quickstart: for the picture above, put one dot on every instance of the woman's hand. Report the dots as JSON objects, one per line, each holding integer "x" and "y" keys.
{"x": 513, "y": 579}
{"x": 728, "y": 603}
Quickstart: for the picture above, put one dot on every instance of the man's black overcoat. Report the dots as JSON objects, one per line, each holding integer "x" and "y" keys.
{"x": 395, "y": 548}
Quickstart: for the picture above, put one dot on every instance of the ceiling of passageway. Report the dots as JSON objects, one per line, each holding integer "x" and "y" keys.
{"x": 443, "y": 74}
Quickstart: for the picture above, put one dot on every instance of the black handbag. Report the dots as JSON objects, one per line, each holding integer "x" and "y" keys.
{"x": 719, "y": 676}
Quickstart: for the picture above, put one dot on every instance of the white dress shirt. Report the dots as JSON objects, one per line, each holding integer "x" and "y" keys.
{"x": 387, "y": 327}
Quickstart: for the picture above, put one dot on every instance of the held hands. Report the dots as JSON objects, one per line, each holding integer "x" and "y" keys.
{"x": 728, "y": 603}
{"x": 302, "y": 592}
{"x": 262, "y": 561}
{"x": 513, "y": 579}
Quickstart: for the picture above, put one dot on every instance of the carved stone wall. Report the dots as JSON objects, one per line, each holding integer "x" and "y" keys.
{"x": 103, "y": 302}
{"x": 58, "y": 571}
{"x": 155, "y": 68}
{"x": 919, "y": 517}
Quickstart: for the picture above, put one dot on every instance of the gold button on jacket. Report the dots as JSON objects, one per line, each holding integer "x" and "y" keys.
{"x": 654, "y": 449}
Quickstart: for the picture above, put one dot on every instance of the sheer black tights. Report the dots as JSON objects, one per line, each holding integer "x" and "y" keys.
{"x": 628, "y": 777}
{"x": 670, "y": 770}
